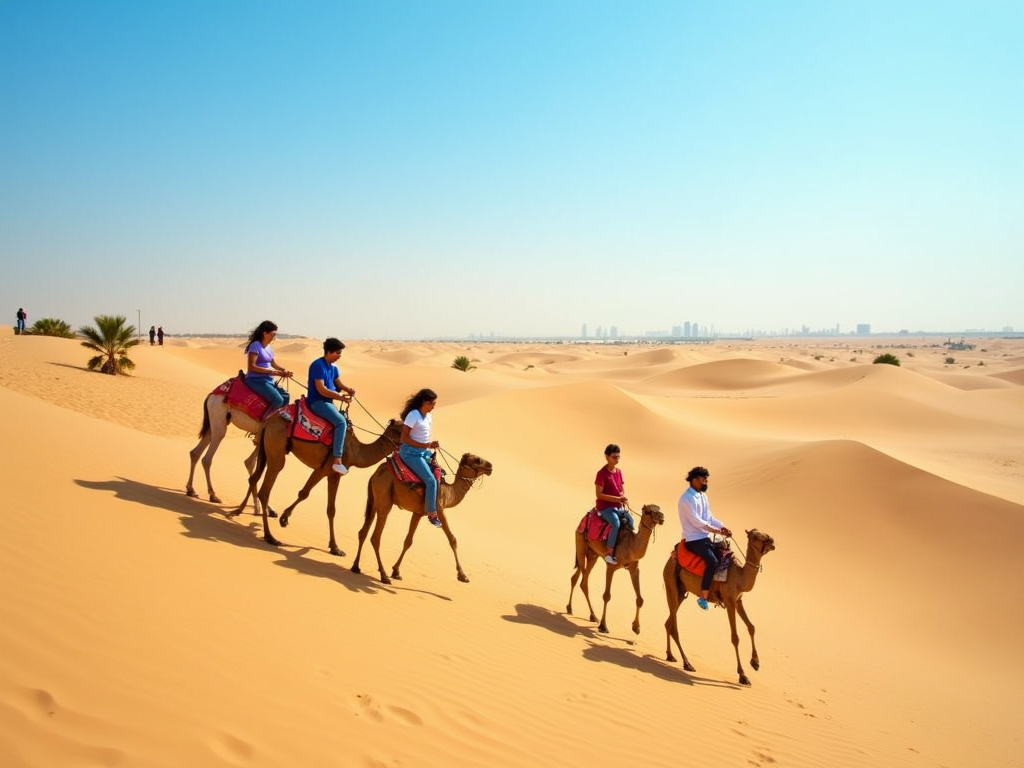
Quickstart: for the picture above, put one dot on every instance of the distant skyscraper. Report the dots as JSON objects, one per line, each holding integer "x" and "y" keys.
{"x": 686, "y": 329}
{"x": 614, "y": 332}
{"x": 863, "y": 329}
{"x": 583, "y": 333}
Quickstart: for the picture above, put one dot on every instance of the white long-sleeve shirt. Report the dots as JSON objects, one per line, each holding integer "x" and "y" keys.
{"x": 695, "y": 515}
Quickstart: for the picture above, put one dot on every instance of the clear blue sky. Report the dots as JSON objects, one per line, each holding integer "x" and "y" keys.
{"x": 414, "y": 169}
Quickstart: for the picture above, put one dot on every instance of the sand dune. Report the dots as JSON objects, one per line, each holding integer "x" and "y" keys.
{"x": 143, "y": 627}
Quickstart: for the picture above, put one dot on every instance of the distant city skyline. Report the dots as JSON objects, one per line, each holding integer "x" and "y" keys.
{"x": 411, "y": 170}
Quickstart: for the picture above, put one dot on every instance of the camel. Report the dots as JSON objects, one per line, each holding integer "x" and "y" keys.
{"x": 383, "y": 492}
{"x": 275, "y": 444}
{"x": 729, "y": 593}
{"x": 217, "y": 414}
{"x": 629, "y": 549}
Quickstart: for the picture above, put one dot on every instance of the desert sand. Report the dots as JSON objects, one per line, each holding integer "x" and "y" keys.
{"x": 141, "y": 627}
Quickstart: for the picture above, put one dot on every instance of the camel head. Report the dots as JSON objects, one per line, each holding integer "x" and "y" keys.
{"x": 654, "y": 512}
{"x": 762, "y": 541}
{"x": 472, "y": 467}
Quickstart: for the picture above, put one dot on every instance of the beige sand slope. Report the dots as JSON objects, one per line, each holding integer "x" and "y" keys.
{"x": 140, "y": 627}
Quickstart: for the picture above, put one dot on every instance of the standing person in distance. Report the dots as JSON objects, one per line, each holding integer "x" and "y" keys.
{"x": 324, "y": 388}
{"x": 697, "y": 521}
{"x": 418, "y": 446}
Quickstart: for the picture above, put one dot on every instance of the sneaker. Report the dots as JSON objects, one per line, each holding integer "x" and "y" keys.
{"x": 340, "y": 468}
{"x": 702, "y": 603}
{"x": 434, "y": 521}
{"x": 610, "y": 559}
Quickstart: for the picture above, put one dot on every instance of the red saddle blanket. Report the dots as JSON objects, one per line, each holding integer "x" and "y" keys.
{"x": 695, "y": 564}
{"x": 595, "y": 526}
{"x": 405, "y": 475}
{"x": 307, "y": 426}
{"x": 237, "y": 394}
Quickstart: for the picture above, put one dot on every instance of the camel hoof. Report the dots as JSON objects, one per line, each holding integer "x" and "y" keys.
{"x": 337, "y": 553}
{"x": 355, "y": 569}
{"x": 744, "y": 680}
{"x": 384, "y": 579}
{"x": 603, "y": 628}
{"x": 284, "y": 519}
{"x": 593, "y": 617}
{"x": 215, "y": 498}
{"x": 271, "y": 513}
{"x": 271, "y": 540}
{"x": 755, "y": 664}
{"x": 464, "y": 578}
{"x": 192, "y": 493}
{"x": 636, "y": 629}
{"x": 670, "y": 657}
{"x": 689, "y": 667}
{"x": 396, "y": 575}
{"x": 233, "y": 513}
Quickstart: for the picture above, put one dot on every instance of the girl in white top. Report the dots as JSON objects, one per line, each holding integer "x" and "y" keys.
{"x": 417, "y": 446}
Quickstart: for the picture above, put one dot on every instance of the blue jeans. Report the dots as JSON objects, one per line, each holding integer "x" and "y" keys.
{"x": 418, "y": 460}
{"x": 706, "y": 550}
{"x": 611, "y": 516}
{"x": 273, "y": 394}
{"x": 326, "y": 410}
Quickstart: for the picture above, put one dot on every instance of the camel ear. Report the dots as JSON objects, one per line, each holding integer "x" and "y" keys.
{"x": 749, "y": 530}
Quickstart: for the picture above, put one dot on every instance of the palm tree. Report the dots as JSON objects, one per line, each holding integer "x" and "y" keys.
{"x": 112, "y": 339}
{"x": 462, "y": 363}
{"x": 51, "y": 326}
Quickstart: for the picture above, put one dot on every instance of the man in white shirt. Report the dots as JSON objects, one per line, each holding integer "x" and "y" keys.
{"x": 697, "y": 521}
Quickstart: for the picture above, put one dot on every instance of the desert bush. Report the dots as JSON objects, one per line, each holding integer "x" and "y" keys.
{"x": 112, "y": 339}
{"x": 950, "y": 360}
{"x": 51, "y": 326}
{"x": 886, "y": 359}
{"x": 462, "y": 363}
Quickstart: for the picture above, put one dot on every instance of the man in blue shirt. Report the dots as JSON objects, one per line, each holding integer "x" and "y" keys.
{"x": 324, "y": 387}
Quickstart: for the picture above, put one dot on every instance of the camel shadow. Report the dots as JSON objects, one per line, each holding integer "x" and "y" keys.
{"x": 202, "y": 521}
{"x": 597, "y": 650}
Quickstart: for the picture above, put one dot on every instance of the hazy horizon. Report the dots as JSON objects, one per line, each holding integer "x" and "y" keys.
{"x": 436, "y": 169}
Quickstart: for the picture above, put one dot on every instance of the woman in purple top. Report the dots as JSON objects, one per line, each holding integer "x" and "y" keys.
{"x": 325, "y": 387}
{"x": 261, "y": 368}
{"x": 611, "y": 497}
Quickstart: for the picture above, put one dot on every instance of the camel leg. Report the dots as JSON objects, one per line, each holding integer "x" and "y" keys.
{"x": 262, "y": 499}
{"x": 634, "y": 574}
{"x": 193, "y": 456}
{"x": 672, "y": 595}
{"x": 731, "y": 608}
{"x": 585, "y": 582}
{"x": 368, "y": 516}
{"x": 454, "y": 544}
{"x": 414, "y": 523}
{"x": 311, "y": 483}
{"x": 332, "y": 495}
{"x": 375, "y": 537}
{"x": 608, "y": 574}
{"x": 755, "y": 662}
{"x": 218, "y": 429}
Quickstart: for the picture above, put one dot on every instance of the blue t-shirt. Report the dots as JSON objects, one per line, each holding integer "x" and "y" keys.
{"x": 321, "y": 369}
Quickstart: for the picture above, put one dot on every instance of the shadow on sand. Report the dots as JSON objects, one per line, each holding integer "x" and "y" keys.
{"x": 600, "y": 651}
{"x": 205, "y": 521}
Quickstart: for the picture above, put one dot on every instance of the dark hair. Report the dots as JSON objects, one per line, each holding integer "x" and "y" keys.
{"x": 332, "y": 344}
{"x": 415, "y": 401}
{"x": 612, "y": 448}
{"x": 697, "y": 472}
{"x": 257, "y": 333}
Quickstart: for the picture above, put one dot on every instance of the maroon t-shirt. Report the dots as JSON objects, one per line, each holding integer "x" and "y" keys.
{"x": 610, "y": 483}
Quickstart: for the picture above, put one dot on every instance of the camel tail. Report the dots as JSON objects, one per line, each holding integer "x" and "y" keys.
{"x": 205, "y": 429}
{"x": 261, "y": 458}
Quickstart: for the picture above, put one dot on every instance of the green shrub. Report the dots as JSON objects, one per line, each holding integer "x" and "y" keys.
{"x": 886, "y": 359}
{"x": 950, "y": 360}
{"x": 462, "y": 363}
{"x": 51, "y": 326}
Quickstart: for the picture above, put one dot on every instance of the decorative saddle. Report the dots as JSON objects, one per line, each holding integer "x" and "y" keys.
{"x": 596, "y": 527}
{"x": 404, "y": 474}
{"x": 238, "y": 394}
{"x": 695, "y": 563}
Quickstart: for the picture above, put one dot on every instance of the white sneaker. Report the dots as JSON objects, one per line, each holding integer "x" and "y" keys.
{"x": 610, "y": 559}
{"x": 340, "y": 468}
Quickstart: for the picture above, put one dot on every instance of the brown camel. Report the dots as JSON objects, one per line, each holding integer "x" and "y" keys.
{"x": 629, "y": 549}
{"x": 274, "y": 446}
{"x": 729, "y": 593}
{"x": 383, "y": 492}
{"x": 217, "y": 414}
